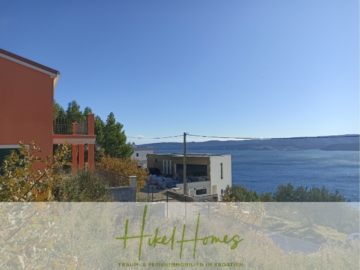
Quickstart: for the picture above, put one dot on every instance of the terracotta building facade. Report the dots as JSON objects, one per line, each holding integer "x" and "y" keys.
{"x": 26, "y": 111}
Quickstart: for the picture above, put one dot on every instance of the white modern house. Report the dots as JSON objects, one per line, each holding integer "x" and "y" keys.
{"x": 207, "y": 174}
{"x": 140, "y": 153}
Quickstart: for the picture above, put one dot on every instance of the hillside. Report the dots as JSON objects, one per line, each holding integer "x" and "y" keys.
{"x": 327, "y": 143}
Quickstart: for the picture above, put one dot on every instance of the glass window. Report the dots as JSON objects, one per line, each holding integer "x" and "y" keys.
{"x": 4, "y": 152}
{"x": 201, "y": 191}
{"x": 193, "y": 170}
{"x": 221, "y": 168}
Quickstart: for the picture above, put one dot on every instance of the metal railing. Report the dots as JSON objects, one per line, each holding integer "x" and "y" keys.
{"x": 112, "y": 179}
{"x": 63, "y": 124}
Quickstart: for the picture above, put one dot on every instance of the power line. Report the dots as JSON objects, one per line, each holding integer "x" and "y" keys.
{"x": 154, "y": 138}
{"x": 223, "y": 137}
{"x": 279, "y": 138}
{"x": 320, "y": 137}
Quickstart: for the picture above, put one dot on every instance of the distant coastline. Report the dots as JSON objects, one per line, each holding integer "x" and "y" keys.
{"x": 342, "y": 147}
{"x": 324, "y": 143}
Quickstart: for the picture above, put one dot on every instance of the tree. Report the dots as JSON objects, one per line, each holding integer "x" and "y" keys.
{"x": 110, "y": 139}
{"x": 58, "y": 110}
{"x": 285, "y": 193}
{"x": 23, "y": 181}
{"x": 87, "y": 111}
{"x": 289, "y": 194}
{"x": 30, "y": 237}
{"x": 99, "y": 143}
{"x": 266, "y": 197}
{"x": 82, "y": 186}
{"x": 124, "y": 167}
{"x": 115, "y": 140}
{"x": 237, "y": 193}
{"x": 74, "y": 114}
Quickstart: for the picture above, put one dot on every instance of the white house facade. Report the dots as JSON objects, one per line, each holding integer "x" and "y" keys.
{"x": 140, "y": 153}
{"x": 207, "y": 174}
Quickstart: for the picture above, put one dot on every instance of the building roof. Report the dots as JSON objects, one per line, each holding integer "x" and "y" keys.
{"x": 26, "y": 62}
{"x": 144, "y": 149}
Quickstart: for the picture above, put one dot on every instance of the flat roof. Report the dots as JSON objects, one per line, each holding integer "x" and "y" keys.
{"x": 143, "y": 148}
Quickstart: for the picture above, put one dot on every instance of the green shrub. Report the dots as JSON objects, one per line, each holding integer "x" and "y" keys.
{"x": 287, "y": 193}
{"x": 82, "y": 186}
{"x": 237, "y": 193}
{"x": 283, "y": 193}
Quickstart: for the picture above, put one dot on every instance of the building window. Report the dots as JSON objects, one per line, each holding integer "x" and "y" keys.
{"x": 194, "y": 170}
{"x": 201, "y": 191}
{"x": 221, "y": 169}
{"x": 137, "y": 154}
{"x": 222, "y": 191}
{"x": 155, "y": 160}
{"x": 5, "y": 150}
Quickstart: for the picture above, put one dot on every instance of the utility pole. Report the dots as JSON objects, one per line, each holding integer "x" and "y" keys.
{"x": 184, "y": 166}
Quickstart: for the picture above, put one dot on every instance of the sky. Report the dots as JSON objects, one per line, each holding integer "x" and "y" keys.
{"x": 244, "y": 68}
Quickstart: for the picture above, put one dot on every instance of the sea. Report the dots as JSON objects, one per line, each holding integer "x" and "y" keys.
{"x": 263, "y": 171}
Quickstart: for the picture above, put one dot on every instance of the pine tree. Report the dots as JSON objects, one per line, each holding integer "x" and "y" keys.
{"x": 115, "y": 140}
{"x": 87, "y": 111}
{"x": 110, "y": 139}
{"x": 57, "y": 109}
{"x": 74, "y": 113}
{"x": 99, "y": 143}
{"x": 59, "y": 117}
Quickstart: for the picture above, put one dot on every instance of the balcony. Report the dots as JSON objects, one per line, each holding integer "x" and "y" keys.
{"x": 74, "y": 129}
{"x": 79, "y": 131}
{"x": 71, "y": 125}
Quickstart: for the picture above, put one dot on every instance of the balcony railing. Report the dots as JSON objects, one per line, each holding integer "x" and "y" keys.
{"x": 63, "y": 124}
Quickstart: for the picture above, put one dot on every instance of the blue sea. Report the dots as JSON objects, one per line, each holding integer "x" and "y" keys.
{"x": 263, "y": 171}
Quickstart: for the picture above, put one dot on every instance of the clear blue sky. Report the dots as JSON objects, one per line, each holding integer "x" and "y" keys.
{"x": 229, "y": 68}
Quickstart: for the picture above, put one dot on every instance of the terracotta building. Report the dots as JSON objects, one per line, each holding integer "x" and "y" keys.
{"x": 26, "y": 111}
